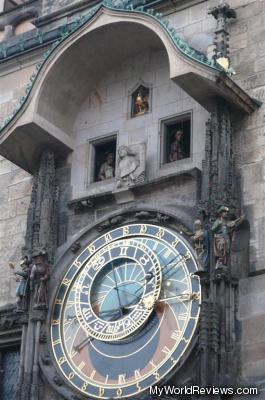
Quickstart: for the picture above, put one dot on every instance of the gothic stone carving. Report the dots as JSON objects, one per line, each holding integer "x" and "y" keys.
{"x": 39, "y": 276}
{"x": 223, "y": 230}
{"x": 43, "y": 209}
{"x": 23, "y": 286}
{"x": 131, "y": 165}
{"x": 201, "y": 245}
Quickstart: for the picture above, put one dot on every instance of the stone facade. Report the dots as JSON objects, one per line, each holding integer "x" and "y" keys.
{"x": 104, "y": 111}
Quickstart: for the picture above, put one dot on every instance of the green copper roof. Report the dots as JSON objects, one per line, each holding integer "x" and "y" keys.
{"x": 117, "y": 5}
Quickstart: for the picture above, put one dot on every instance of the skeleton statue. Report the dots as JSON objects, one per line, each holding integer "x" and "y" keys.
{"x": 39, "y": 277}
{"x": 129, "y": 171}
{"x": 200, "y": 240}
{"x": 223, "y": 229}
{"x": 23, "y": 286}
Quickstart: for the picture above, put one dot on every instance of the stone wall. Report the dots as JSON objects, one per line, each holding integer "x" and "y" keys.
{"x": 15, "y": 190}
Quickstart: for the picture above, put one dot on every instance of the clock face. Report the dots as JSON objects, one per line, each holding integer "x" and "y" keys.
{"x": 126, "y": 311}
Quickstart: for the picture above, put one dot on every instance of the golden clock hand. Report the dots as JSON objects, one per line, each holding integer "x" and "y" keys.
{"x": 116, "y": 288}
{"x": 185, "y": 296}
{"x": 82, "y": 344}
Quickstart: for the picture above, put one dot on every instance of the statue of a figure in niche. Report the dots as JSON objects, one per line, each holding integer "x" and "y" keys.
{"x": 131, "y": 165}
{"x": 106, "y": 170}
{"x": 141, "y": 104}
{"x": 39, "y": 276}
{"x": 140, "y": 100}
{"x": 200, "y": 240}
{"x": 176, "y": 148}
{"x": 223, "y": 229}
{"x": 23, "y": 286}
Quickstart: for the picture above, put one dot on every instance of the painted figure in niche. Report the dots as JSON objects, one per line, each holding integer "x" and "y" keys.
{"x": 23, "y": 286}
{"x": 223, "y": 229}
{"x": 176, "y": 149}
{"x": 128, "y": 167}
{"x": 106, "y": 170}
{"x": 140, "y": 101}
{"x": 200, "y": 240}
{"x": 141, "y": 104}
{"x": 39, "y": 277}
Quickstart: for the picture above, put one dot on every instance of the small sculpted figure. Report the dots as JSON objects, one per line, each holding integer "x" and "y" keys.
{"x": 128, "y": 163}
{"x": 106, "y": 170}
{"x": 39, "y": 277}
{"x": 23, "y": 286}
{"x": 141, "y": 104}
{"x": 223, "y": 229}
{"x": 201, "y": 244}
{"x": 176, "y": 149}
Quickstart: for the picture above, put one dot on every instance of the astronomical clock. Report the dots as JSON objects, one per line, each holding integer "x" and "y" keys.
{"x": 125, "y": 312}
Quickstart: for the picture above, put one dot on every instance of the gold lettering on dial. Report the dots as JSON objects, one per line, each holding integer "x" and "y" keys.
{"x": 93, "y": 373}
{"x": 175, "y": 335}
{"x": 137, "y": 374}
{"x": 126, "y": 230}
{"x": 123, "y": 251}
{"x": 71, "y": 375}
{"x": 121, "y": 379}
{"x": 160, "y": 233}
{"x": 61, "y": 360}
{"x": 119, "y": 392}
{"x": 165, "y": 350}
{"x": 108, "y": 238}
{"x": 101, "y": 391}
{"x": 152, "y": 363}
{"x": 175, "y": 243}
{"x": 143, "y": 229}
{"x": 156, "y": 375}
{"x": 81, "y": 365}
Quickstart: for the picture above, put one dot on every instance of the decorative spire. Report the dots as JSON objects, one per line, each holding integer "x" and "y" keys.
{"x": 222, "y": 13}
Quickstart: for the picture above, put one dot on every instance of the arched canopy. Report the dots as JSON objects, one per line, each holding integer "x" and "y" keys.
{"x": 45, "y": 117}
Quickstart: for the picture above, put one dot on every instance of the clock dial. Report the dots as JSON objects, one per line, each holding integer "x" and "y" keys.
{"x": 126, "y": 311}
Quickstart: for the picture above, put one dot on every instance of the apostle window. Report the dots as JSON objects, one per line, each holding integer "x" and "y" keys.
{"x": 104, "y": 156}
{"x": 175, "y": 138}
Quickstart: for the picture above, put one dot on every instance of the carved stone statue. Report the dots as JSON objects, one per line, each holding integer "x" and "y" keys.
{"x": 23, "y": 286}
{"x": 131, "y": 165}
{"x": 200, "y": 240}
{"x": 176, "y": 149}
{"x": 39, "y": 277}
{"x": 106, "y": 170}
{"x": 223, "y": 229}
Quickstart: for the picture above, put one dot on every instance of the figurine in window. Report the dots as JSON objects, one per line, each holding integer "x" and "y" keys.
{"x": 141, "y": 104}
{"x": 176, "y": 149}
{"x": 106, "y": 170}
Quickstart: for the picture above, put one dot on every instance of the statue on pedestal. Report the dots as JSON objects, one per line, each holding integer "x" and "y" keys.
{"x": 131, "y": 165}
{"x": 223, "y": 229}
{"x": 39, "y": 277}
{"x": 23, "y": 286}
{"x": 200, "y": 240}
